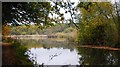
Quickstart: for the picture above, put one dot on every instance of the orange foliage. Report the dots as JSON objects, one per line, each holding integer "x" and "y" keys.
{"x": 5, "y": 30}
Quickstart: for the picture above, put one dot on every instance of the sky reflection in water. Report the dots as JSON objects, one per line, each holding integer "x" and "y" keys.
{"x": 54, "y": 56}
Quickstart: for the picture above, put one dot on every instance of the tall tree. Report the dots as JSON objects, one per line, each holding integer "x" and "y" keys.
{"x": 116, "y": 14}
{"x": 97, "y": 23}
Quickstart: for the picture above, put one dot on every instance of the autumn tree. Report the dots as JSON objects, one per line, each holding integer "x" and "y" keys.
{"x": 5, "y": 30}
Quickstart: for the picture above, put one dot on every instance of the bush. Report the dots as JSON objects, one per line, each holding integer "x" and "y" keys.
{"x": 20, "y": 53}
{"x": 70, "y": 29}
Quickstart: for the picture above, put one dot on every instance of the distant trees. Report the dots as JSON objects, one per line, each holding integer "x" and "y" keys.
{"x": 35, "y": 30}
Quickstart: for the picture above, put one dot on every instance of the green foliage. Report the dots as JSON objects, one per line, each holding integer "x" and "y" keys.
{"x": 60, "y": 30}
{"x": 95, "y": 27}
{"x": 18, "y": 13}
{"x": 20, "y": 50}
{"x": 71, "y": 33}
{"x": 34, "y": 29}
{"x": 15, "y": 12}
{"x": 99, "y": 34}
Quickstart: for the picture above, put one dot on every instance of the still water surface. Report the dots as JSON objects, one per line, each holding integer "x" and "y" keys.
{"x": 64, "y": 52}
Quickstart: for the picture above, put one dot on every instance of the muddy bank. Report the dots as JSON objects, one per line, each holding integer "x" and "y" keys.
{"x": 8, "y": 55}
{"x": 98, "y": 47}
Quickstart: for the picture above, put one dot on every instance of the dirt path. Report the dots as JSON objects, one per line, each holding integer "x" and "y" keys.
{"x": 8, "y": 55}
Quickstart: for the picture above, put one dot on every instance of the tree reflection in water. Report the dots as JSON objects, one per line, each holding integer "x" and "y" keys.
{"x": 91, "y": 56}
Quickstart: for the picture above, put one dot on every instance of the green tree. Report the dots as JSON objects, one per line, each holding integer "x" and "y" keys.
{"x": 97, "y": 25}
{"x": 116, "y": 18}
{"x": 20, "y": 12}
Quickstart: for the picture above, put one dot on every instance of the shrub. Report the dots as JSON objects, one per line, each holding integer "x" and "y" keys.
{"x": 20, "y": 53}
{"x": 70, "y": 29}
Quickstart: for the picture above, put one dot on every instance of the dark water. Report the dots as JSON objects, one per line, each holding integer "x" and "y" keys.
{"x": 63, "y": 52}
{"x": 98, "y": 57}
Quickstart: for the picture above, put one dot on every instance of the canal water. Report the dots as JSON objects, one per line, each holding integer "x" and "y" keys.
{"x": 64, "y": 52}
